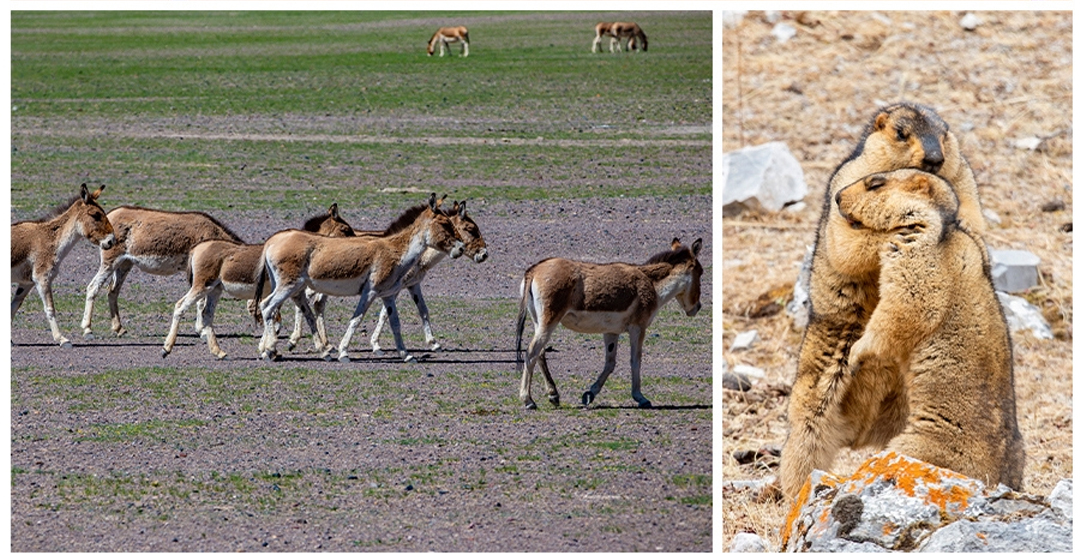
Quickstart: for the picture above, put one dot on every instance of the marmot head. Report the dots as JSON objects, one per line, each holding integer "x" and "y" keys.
{"x": 907, "y": 135}
{"x": 896, "y": 201}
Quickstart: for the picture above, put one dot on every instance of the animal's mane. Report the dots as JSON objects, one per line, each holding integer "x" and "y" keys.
{"x": 225, "y": 227}
{"x": 670, "y": 256}
{"x": 405, "y": 219}
{"x": 58, "y": 211}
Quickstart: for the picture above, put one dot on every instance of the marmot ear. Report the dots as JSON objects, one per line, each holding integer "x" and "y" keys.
{"x": 920, "y": 184}
{"x": 333, "y": 210}
{"x": 696, "y": 247}
{"x": 881, "y": 120}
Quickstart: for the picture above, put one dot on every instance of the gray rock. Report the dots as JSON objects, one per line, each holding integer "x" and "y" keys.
{"x": 1014, "y": 270}
{"x": 1021, "y": 315}
{"x": 745, "y": 542}
{"x": 969, "y": 22}
{"x": 744, "y": 340}
{"x": 762, "y": 178}
{"x": 749, "y": 371}
{"x": 893, "y": 502}
{"x": 737, "y": 382}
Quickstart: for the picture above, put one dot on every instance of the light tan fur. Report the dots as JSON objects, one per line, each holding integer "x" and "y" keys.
{"x": 157, "y": 242}
{"x": 617, "y": 31}
{"x": 218, "y": 266}
{"x": 844, "y": 292}
{"x": 939, "y": 320}
{"x": 446, "y": 36}
{"x": 368, "y": 267}
{"x": 607, "y": 299}
{"x": 38, "y": 247}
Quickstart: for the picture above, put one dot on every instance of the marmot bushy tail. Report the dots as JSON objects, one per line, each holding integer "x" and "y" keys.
{"x": 844, "y": 293}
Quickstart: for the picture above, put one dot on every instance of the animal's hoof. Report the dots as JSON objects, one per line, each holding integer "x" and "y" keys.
{"x": 164, "y": 353}
{"x": 645, "y": 404}
{"x": 121, "y": 332}
{"x": 343, "y": 358}
{"x": 87, "y": 334}
{"x": 531, "y": 406}
{"x": 65, "y": 343}
{"x": 327, "y": 356}
{"x": 291, "y": 346}
{"x": 435, "y": 347}
{"x": 587, "y": 398}
{"x": 554, "y": 399}
{"x": 269, "y": 355}
{"x": 377, "y": 350}
{"x": 411, "y": 359}
{"x": 222, "y": 355}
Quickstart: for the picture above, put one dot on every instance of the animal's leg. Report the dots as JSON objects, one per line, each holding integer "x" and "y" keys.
{"x": 425, "y": 319}
{"x": 304, "y": 307}
{"x": 318, "y": 305}
{"x": 92, "y": 290}
{"x": 637, "y": 340}
{"x": 442, "y": 47}
{"x": 21, "y": 291}
{"x": 366, "y": 297}
{"x": 541, "y": 335}
{"x": 270, "y": 307}
{"x": 614, "y": 45}
{"x": 192, "y": 296}
{"x": 611, "y": 345}
{"x": 211, "y": 336}
{"x": 465, "y": 49}
{"x": 375, "y": 347}
{"x": 596, "y": 43}
{"x": 119, "y": 274}
{"x": 44, "y": 287}
{"x": 552, "y": 391}
{"x": 298, "y": 328}
{"x": 200, "y": 318}
{"x": 390, "y": 305}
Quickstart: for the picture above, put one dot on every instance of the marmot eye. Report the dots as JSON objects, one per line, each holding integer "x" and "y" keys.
{"x": 901, "y": 135}
{"x": 874, "y": 183}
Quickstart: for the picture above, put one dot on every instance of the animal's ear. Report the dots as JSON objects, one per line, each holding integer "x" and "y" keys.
{"x": 919, "y": 184}
{"x": 84, "y": 193}
{"x": 431, "y": 202}
{"x": 440, "y": 201}
{"x": 675, "y": 244}
{"x": 460, "y": 208}
{"x": 881, "y": 121}
{"x": 97, "y": 192}
{"x": 696, "y": 247}
{"x": 333, "y": 211}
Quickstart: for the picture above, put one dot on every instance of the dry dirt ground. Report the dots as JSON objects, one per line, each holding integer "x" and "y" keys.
{"x": 1008, "y": 79}
{"x": 115, "y": 449}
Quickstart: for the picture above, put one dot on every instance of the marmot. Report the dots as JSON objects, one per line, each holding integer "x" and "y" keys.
{"x": 844, "y": 292}
{"x": 939, "y": 320}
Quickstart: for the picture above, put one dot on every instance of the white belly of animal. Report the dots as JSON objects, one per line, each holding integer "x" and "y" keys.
{"x": 345, "y": 287}
{"x": 161, "y": 265}
{"x": 596, "y": 322}
{"x": 239, "y": 291}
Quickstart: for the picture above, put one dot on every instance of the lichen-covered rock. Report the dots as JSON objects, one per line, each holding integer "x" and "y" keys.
{"x": 897, "y": 503}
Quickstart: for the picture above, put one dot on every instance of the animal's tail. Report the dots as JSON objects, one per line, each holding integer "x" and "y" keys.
{"x": 525, "y": 286}
{"x": 260, "y": 282}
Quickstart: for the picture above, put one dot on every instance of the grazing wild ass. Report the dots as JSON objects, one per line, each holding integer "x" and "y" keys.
{"x": 367, "y": 267}
{"x": 618, "y": 31}
{"x": 475, "y": 249}
{"x": 38, "y": 247}
{"x": 449, "y": 35}
{"x": 607, "y": 299}
{"x": 219, "y": 266}
{"x": 158, "y": 242}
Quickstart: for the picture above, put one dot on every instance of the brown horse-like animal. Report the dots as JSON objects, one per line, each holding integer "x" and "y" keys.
{"x": 618, "y": 31}
{"x": 475, "y": 249}
{"x": 607, "y": 299}
{"x": 359, "y": 266}
{"x": 449, "y": 35}
{"x": 219, "y": 266}
{"x": 38, "y": 247}
{"x": 158, "y": 242}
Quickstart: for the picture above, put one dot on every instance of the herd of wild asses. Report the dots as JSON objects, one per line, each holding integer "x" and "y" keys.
{"x": 327, "y": 257}
{"x": 635, "y": 38}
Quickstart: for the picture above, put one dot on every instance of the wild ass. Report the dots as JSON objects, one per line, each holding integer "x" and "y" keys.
{"x": 219, "y": 266}
{"x": 618, "y": 31}
{"x": 475, "y": 249}
{"x": 158, "y": 242}
{"x": 449, "y": 35}
{"x": 607, "y": 299}
{"x": 38, "y": 247}
{"x": 358, "y": 266}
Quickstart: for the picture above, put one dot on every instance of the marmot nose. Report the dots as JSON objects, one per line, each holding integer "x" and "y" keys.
{"x": 932, "y": 161}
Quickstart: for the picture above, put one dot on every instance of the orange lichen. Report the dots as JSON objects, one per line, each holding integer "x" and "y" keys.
{"x": 908, "y": 474}
{"x": 800, "y": 501}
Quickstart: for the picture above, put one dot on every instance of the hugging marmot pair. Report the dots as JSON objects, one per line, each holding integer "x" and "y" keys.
{"x": 907, "y": 346}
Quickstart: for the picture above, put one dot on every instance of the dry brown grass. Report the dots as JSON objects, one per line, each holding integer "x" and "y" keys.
{"x": 1008, "y": 79}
